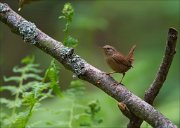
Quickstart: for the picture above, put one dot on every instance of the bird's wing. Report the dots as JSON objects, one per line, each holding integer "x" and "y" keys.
{"x": 121, "y": 60}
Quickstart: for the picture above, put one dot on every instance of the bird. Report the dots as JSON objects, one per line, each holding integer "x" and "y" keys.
{"x": 117, "y": 61}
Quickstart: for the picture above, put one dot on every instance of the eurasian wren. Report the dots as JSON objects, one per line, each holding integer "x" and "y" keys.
{"x": 117, "y": 61}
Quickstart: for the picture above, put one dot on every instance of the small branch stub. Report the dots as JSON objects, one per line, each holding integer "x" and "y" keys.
{"x": 4, "y": 8}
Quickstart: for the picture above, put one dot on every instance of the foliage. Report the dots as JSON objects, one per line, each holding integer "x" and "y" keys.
{"x": 68, "y": 13}
{"x": 80, "y": 114}
{"x": 52, "y": 74}
{"x": 30, "y": 88}
{"x": 91, "y": 111}
{"x": 28, "y": 93}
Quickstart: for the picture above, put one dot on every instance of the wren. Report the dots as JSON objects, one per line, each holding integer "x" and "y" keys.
{"x": 117, "y": 61}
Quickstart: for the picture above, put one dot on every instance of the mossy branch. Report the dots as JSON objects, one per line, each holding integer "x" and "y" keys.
{"x": 31, "y": 34}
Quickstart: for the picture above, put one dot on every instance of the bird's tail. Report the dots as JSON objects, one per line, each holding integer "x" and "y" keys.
{"x": 130, "y": 56}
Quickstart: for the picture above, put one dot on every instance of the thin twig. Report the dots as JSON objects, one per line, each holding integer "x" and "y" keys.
{"x": 170, "y": 51}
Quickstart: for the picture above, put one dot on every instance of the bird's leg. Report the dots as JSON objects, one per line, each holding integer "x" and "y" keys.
{"x": 109, "y": 73}
{"x": 122, "y": 78}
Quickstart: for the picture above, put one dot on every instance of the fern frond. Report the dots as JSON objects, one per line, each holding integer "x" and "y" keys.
{"x": 52, "y": 74}
{"x": 29, "y": 99}
{"x": 32, "y": 76}
{"x": 28, "y": 86}
{"x": 20, "y": 120}
{"x": 11, "y": 103}
{"x": 27, "y": 68}
{"x": 12, "y": 78}
{"x": 11, "y": 88}
{"x": 8, "y": 121}
{"x": 28, "y": 60}
{"x": 34, "y": 68}
{"x": 76, "y": 88}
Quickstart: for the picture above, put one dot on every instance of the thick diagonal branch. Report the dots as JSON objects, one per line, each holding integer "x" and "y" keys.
{"x": 160, "y": 78}
{"x": 31, "y": 34}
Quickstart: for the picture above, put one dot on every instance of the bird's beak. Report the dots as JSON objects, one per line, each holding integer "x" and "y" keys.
{"x": 100, "y": 47}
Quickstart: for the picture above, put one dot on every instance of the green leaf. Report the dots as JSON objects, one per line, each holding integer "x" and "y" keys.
{"x": 20, "y": 120}
{"x": 11, "y": 88}
{"x": 85, "y": 124}
{"x": 76, "y": 88}
{"x": 68, "y": 11}
{"x": 33, "y": 68}
{"x": 28, "y": 85}
{"x": 38, "y": 88}
{"x": 10, "y": 103}
{"x": 92, "y": 111}
{"x": 8, "y": 120}
{"x": 29, "y": 99}
{"x": 62, "y": 17}
{"x": 28, "y": 60}
{"x": 28, "y": 68}
{"x": 52, "y": 74}
{"x": 12, "y": 78}
{"x": 70, "y": 42}
{"x": 31, "y": 75}
{"x": 76, "y": 84}
{"x": 56, "y": 90}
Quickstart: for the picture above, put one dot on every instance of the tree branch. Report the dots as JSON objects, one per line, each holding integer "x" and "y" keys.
{"x": 160, "y": 78}
{"x": 31, "y": 34}
{"x": 154, "y": 89}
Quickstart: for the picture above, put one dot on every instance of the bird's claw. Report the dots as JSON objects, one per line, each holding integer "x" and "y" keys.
{"x": 121, "y": 83}
{"x": 107, "y": 73}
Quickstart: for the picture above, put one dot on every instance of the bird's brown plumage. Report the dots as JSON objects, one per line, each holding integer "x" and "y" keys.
{"x": 117, "y": 61}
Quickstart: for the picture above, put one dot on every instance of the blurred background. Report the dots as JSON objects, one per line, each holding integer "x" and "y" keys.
{"x": 96, "y": 23}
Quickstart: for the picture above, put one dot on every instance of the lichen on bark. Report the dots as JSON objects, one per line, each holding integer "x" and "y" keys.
{"x": 28, "y": 31}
